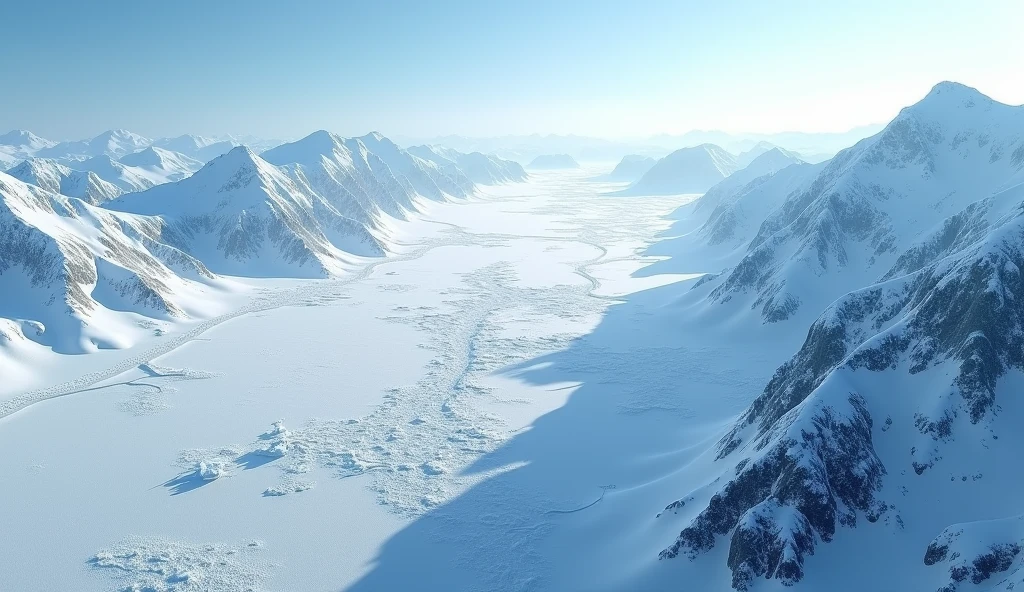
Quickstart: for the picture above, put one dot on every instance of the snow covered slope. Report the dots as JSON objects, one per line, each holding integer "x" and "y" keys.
{"x": 160, "y": 165}
{"x": 7, "y": 160}
{"x": 479, "y": 168}
{"x": 196, "y": 147}
{"x": 736, "y": 212}
{"x": 57, "y": 178}
{"x": 767, "y": 163}
{"x": 24, "y": 142}
{"x": 904, "y": 390}
{"x": 712, "y": 233}
{"x": 553, "y": 162}
{"x": 119, "y": 157}
{"x": 424, "y": 177}
{"x": 872, "y": 200}
{"x": 127, "y": 178}
{"x": 243, "y": 216}
{"x": 747, "y": 156}
{"x": 113, "y": 143}
{"x": 631, "y": 168}
{"x": 688, "y": 170}
{"x": 76, "y": 277}
{"x": 358, "y": 183}
{"x": 18, "y": 145}
{"x": 301, "y": 209}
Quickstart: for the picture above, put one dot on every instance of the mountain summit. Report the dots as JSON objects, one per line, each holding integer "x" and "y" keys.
{"x": 688, "y": 170}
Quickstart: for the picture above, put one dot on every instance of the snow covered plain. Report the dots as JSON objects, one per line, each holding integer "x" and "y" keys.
{"x": 482, "y": 410}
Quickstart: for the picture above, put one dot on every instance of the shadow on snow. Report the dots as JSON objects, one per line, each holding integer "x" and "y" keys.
{"x": 649, "y": 400}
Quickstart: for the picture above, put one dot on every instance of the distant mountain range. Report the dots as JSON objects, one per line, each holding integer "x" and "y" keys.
{"x": 120, "y": 225}
{"x": 687, "y": 170}
{"x": 887, "y": 441}
{"x": 813, "y": 147}
{"x": 631, "y": 168}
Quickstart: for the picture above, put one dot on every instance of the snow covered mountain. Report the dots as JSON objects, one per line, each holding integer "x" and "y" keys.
{"x": 713, "y": 232}
{"x": 907, "y": 250}
{"x": 369, "y": 178}
{"x": 357, "y": 182}
{"x": 736, "y": 211}
{"x": 58, "y": 178}
{"x": 127, "y": 178}
{"x": 196, "y": 147}
{"x": 631, "y": 168}
{"x": 160, "y": 165}
{"x": 480, "y": 168}
{"x": 810, "y": 146}
{"x": 241, "y": 215}
{"x": 76, "y": 277}
{"x": 872, "y": 200}
{"x": 117, "y": 143}
{"x": 553, "y": 162}
{"x": 7, "y": 160}
{"x": 747, "y": 156}
{"x": 113, "y": 143}
{"x": 688, "y": 170}
{"x": 17, "y": 145}
{"x": 302, "y": 209}
{"x": 767, "y": 163}
{"x": 423, "y": 176}
{"x": 24, "y": 141}
{"x": 80, "y": 277}
{"x": 523, "y": 149}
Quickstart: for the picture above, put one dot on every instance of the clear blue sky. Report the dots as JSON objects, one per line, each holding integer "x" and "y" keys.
{"x": 629, "y": 68}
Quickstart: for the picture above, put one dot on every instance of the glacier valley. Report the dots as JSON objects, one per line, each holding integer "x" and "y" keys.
{"x": 340, "y": 364}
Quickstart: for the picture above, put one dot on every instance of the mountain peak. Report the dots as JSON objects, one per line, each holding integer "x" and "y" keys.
{"x": 24, "y": 138}
{"x": 777, "y": 154}
{"x": 376, "y": 139}
{"x": 148, "y": 156}
{"x": 120, "y": 134}
{"x": 316, "y": 144}
{"x": 950, "y": 87}
{"x": 323, "y": 141}
{"x": 946, "y": 96}
{"x": 118, "y": 142}
{"x": 237, "y": 156}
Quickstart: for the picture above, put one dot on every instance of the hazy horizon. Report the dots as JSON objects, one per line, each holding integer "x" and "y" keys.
{"x": 473, "y": 70}
{"x": 649, "y": 295}
{"x": 397, "y": 136}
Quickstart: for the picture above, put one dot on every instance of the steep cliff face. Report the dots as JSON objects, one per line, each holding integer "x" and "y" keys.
{"x": 900, "y": 376}
{"x": 873, "y": 200}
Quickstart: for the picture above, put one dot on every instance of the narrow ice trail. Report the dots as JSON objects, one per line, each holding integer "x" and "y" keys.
{"x": 385, "y": 388}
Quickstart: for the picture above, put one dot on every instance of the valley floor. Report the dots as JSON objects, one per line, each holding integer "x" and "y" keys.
{"x": 483, "y": 411}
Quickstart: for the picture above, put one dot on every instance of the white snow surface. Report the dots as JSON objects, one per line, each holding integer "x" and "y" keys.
{"x": 332, "y": 419}
{"x": 803, "y": 378}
